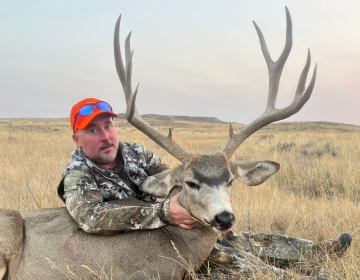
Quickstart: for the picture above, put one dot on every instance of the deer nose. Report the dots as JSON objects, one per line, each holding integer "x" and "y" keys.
{"x": 224, "y": 220}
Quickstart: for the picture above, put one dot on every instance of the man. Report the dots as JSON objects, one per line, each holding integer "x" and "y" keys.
{"x": 103, "y": 172}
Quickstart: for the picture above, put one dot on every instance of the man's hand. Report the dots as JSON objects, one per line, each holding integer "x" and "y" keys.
{"x": 180, "y": 215}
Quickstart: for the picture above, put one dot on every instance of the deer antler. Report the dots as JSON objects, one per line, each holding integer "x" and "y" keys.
{"x": 132, "y": 115}
{"x": 272, "y": 114}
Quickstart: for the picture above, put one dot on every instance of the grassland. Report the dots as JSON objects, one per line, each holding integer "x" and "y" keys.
{"x": 315, "y": 195}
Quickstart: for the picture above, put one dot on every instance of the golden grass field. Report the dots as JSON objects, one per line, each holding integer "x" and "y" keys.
{"x": 315, "y": 195}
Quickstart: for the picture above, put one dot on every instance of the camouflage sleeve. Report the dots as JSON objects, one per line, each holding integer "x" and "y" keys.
{"x": 85, "y": 204}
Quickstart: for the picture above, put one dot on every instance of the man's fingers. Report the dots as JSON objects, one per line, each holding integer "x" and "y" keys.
{"x": 186, "y": 220}
{"x": 187, "y": 226}
{"x": 180, "y": 215}
{"x": 191, "y": 221}
{"x": 184, "y": 226}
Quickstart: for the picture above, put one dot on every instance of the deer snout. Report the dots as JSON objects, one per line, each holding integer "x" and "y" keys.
{"x": 224, "y": 220}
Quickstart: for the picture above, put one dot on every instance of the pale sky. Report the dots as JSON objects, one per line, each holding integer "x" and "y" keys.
{"x": 195, "y": 58}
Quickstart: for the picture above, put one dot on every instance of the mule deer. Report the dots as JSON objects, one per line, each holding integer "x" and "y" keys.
{"x": 48, "y": 244}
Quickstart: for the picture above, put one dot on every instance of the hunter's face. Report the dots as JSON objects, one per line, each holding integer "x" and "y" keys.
{"x": 99, "y": 140}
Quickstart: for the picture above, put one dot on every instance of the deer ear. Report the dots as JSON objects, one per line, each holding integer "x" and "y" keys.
{"x": 254, "y": 173}
{"x": 160, "y": 185}
{"x": 156, "y": 187}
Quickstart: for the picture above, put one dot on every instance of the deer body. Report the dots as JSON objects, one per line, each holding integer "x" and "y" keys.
{"x": 54, "y": 246}
{"x": 48, "y": 244}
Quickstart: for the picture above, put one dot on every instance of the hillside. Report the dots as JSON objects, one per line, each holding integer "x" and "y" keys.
{"x": 176, "y": 118}
{"x": 181, "y": 122}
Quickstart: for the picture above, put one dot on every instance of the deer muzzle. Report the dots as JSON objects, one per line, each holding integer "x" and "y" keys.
{"x": 223, "y": 221}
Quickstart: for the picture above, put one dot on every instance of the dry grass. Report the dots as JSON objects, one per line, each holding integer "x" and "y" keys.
{"x": 315, "y": 195}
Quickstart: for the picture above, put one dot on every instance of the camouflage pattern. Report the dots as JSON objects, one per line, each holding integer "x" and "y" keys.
{"x": 247, "y": 255}
{"x": 229, "y": 263}
{"x": 280, "y": 250}
{"x": 95, "y": 196}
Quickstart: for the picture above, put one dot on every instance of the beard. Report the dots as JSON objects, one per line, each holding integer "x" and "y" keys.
{"x": 106, "y": 157}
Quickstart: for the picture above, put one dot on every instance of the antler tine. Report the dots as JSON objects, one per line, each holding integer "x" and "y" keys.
{"x": 272, "y": 114}
{"x": 275, "y": 68}
{"x": 132, "y": 115}
{"x": 117, "y": 53}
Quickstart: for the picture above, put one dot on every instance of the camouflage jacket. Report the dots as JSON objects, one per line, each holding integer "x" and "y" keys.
{"x": 108, "y": 201}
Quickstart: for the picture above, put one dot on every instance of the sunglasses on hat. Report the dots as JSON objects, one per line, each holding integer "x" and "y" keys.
{"x": 88, "y": 109}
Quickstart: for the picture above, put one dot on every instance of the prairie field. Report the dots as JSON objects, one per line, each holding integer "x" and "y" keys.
{"x": 315, "y": 195}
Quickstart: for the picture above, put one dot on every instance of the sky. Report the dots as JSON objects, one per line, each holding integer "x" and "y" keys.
{"x": 193, "y": 58}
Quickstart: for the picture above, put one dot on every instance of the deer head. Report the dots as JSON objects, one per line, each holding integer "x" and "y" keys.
{"x": 206, "y": 179}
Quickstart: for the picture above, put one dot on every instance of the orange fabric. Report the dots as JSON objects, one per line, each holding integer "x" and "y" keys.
{"x": 82, "y": 122}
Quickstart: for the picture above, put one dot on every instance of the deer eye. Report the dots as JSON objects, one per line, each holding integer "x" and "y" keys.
{"x": 192, "y": 185}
